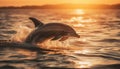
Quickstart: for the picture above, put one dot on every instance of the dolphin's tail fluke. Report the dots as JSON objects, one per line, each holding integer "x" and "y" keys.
{"x": 36, "y": 22}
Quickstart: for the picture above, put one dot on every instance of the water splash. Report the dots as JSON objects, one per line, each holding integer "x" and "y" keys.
{"x": 59, "y": 45}
{"x": 22, "y": 32}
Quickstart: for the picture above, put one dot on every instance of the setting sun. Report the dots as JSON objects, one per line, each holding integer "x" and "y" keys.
{"x": 79, "y": 11}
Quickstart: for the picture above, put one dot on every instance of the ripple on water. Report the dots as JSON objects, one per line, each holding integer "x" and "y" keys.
{"x": 109, "y": 40}
{"x": 118, "y": 34}
{"x": 8, "y": 67}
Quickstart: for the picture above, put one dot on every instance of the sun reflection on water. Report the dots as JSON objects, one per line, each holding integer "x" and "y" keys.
{"x": 83, "y": 64}
{"x": 79, "y": 11}
{"x": 84, "y": 51}
{"x": 82, "y": 19}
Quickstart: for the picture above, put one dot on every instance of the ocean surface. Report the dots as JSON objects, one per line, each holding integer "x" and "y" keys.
{"x": 97, "y": 48}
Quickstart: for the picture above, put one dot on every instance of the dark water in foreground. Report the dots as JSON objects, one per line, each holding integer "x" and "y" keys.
{"x": 98, "y": 47}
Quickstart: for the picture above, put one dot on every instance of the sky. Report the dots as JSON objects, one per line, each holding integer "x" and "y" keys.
{"x": 43, "y": 2}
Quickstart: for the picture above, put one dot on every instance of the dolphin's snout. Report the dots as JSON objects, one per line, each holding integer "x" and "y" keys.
{"x": 30, "y": 17}
{"x": 76, "y": 35}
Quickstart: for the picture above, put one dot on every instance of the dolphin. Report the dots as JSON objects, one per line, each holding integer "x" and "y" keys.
{"x": 53, "y": 31}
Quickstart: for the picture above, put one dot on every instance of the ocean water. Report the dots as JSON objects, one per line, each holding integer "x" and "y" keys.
{"x": 97, "y": 48}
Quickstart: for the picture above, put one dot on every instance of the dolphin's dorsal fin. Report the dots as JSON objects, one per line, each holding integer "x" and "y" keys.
{"x": 36, "y": 22}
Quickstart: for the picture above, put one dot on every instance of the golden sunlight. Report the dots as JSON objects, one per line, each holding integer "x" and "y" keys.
{"x": 43, "y": 2}
{"x": 84, "y": 64}
{"x": 79, "y": 11}
{"x": 80, "y": 17}
{"x": 83, "y": 51}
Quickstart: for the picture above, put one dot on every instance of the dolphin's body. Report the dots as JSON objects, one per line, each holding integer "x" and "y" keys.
{"x": 54, "y": 31}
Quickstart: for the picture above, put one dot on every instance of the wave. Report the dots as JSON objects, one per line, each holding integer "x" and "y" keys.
{"x": 112, "y": 66}
{"x": 16, "y": 45}
{"x": 109, "y": 40}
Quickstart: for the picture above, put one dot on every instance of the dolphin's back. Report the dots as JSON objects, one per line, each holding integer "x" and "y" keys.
{"x": 56, "y": 27}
